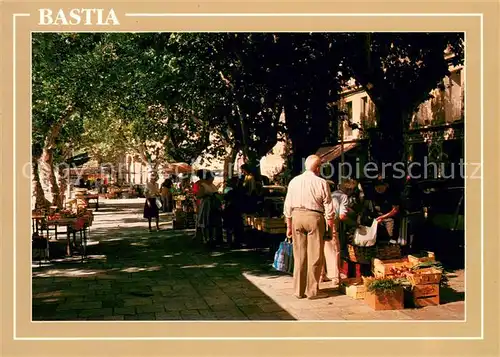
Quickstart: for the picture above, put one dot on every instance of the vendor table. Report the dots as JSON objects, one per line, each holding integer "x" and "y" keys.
{"x": 265, "y": 231}
{"x": 73, "y": 226}
{"x": 95, "y": 197}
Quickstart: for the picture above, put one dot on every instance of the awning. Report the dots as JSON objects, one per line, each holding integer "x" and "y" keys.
{"x": 330, "y": 153}
{"x": 177, "y": 168}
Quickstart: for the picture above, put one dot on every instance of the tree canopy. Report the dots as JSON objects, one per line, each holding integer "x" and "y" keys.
{"x": 175, "y": 96}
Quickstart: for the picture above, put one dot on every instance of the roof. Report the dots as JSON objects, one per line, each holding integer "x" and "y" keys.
{"x": 330, "y": 153}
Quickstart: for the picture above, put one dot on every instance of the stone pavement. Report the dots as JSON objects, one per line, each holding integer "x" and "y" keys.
{"x": 132, "y": 274}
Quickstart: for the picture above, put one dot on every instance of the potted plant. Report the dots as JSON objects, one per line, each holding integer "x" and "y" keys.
{"x": 384, "y": 293}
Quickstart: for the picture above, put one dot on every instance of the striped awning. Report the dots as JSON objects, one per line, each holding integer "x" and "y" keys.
{"x": 330, "y": 153}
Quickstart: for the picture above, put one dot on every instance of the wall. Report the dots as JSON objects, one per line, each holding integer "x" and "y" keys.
{"x": 359, "y": 106}
{"x": 447, "y": 104}
{"x": 445, "y": 107}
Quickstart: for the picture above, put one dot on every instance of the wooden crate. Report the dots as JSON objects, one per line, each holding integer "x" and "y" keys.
{"x": 354, "y": 288}
{"x": 273, "y": 225}
{"x": 382, "y": 268}
{"x": 424, "y": 256}
{"x": 388, "y": 251}
{"x": 363, "y": 255}
{"x": 425, "y": 276}
{"x": 387, "y": 301}
{"x": 275, "y": 230}
{"x": 425, "y": 295}
{"x": 268, "y": 223}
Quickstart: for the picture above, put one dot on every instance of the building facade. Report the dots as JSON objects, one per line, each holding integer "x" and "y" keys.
{"x": 435, "y": 133}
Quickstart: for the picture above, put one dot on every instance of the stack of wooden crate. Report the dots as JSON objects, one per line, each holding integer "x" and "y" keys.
{"x": 425, "y": 282}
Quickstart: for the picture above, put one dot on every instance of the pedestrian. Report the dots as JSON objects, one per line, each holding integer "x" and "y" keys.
{"x": 209, "y": 212}
{"x": 337, "y": 243}
{"x": 307, "y": 204}
{"x": 166, "y": 195}
{"x": 383, "y": 206}
{"x": 195, "y": 188}
{"x": 98, "y": 185}
{"x": 249, "y": 187}
{"x": 151, "y": 209}
{"x": 232, "y": 213}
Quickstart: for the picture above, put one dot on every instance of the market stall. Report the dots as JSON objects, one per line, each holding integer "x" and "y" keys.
{"x": 266, "y": 227}
{"x": 184, "y": 210}
{"x": 408, "y": 282}
{"x": 76, "y": 220}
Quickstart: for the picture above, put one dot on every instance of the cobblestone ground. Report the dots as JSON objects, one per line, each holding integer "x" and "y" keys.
{"x": 132, "y": 274}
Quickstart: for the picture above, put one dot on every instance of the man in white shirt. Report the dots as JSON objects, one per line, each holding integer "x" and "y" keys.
{"x": 308, "y": 202}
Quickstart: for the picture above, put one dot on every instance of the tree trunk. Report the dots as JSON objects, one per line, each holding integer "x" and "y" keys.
{"x": 229, "y": 162}
{"x": 38, "y": 195}
{"x": 49, "y": 179}
{"x": 49, "y": 176}
{"x": 306, "y": 137}
{"x": 63, "y": 184}
{"x": 152, "y": 172}
{"x": 388, "y": 144}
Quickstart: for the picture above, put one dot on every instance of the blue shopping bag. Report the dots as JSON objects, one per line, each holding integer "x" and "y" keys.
{"x": 283, "y": 258}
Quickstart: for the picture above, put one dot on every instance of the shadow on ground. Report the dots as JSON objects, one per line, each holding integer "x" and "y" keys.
{"x": 132, "y": 274}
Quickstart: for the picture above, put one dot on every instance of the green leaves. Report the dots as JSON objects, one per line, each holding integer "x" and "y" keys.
{"x": 199, "y": 92}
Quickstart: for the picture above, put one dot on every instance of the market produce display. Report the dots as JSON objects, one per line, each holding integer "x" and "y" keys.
{"x": 418, "y": 277}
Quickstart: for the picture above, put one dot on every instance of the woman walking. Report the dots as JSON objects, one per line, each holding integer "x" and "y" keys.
{"x": 151, "y": 209}
{"x": 209, "y": 212}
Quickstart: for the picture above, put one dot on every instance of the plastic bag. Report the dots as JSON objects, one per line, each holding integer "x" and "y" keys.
{"x": 365, "y": 236}
{"x": 158, "y": 203}
{"x": 283, "y": 258}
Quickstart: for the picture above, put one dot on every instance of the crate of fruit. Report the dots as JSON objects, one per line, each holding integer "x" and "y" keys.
{"x": 429, "y": 275}
{"x": 391, "y": 267}
{"x": 388, "y": 251}
{"x": 424, "y": 256}
{"x": 353, "y": 287}
{"x": 359, "y": 254}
